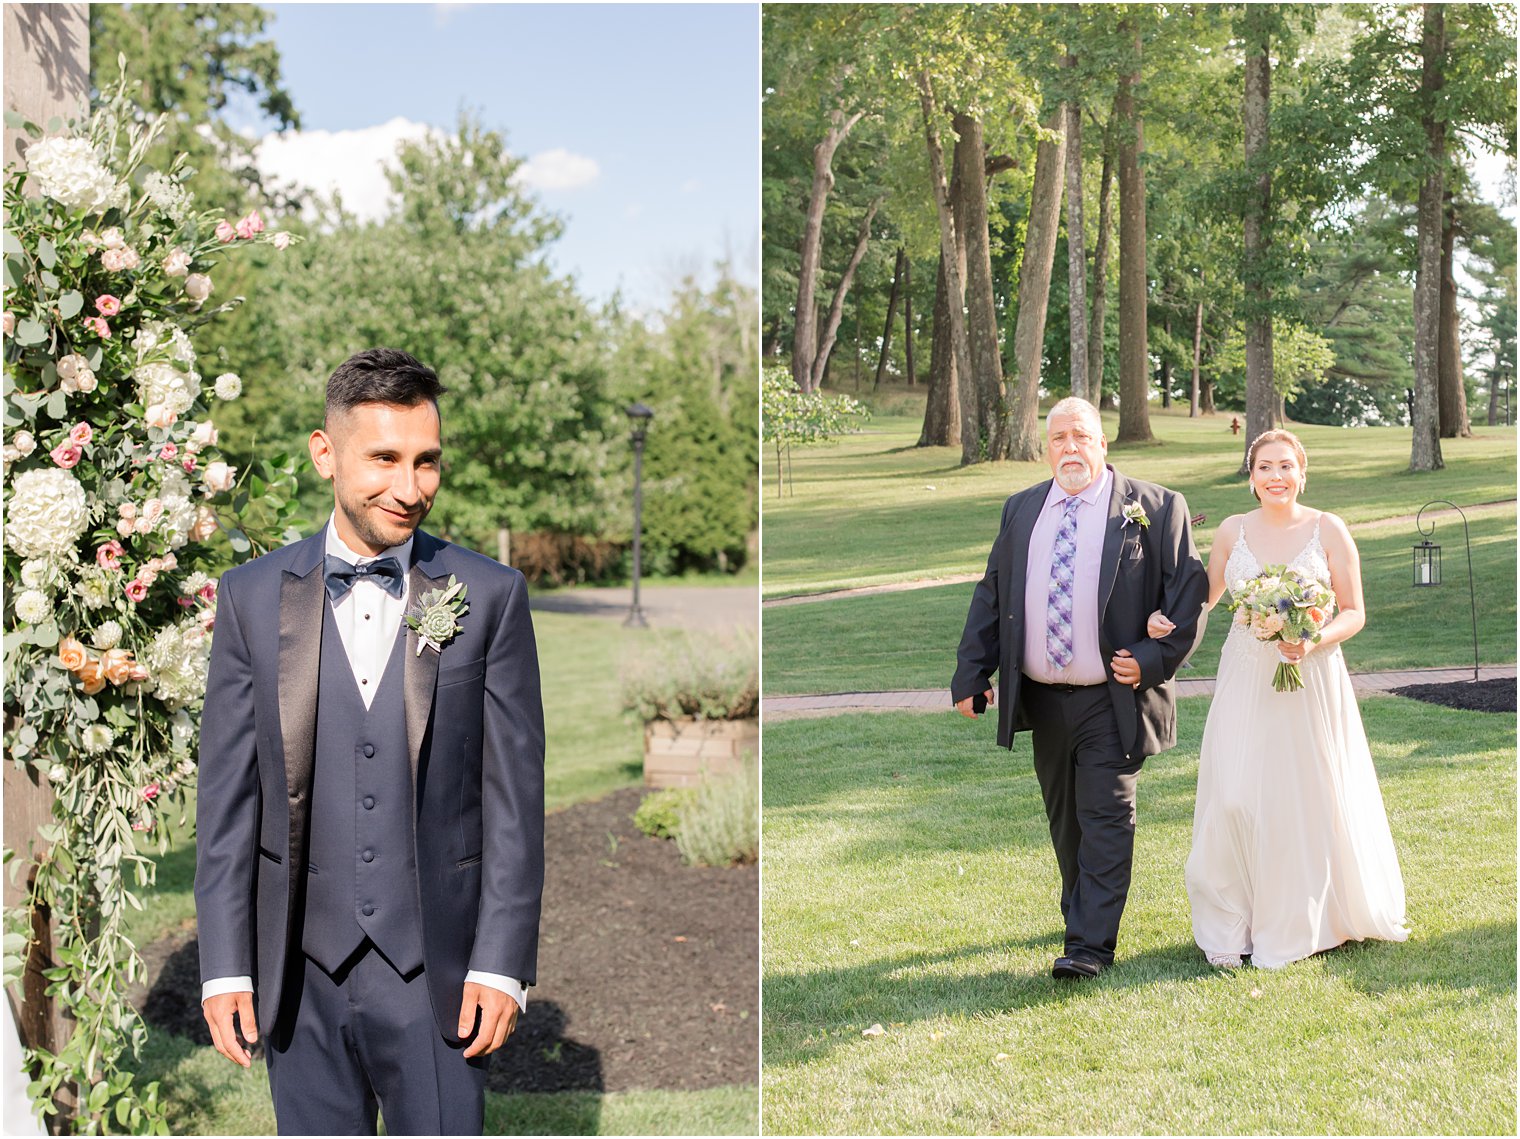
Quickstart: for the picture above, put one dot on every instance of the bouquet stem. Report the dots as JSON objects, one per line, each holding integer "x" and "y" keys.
{"x": 1287, "y": 678}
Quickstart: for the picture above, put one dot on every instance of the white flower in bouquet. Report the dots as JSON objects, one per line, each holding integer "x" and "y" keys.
{"x": 113, "y": 238}
{"x": 228, "y": 386}
{"x": 177, "y": 264}
{"x": 107, "y": 635}
{"x": 44, "y": 574}
{"x": 46, "y": 514}
{"x": 32, "y": 606}
{"x": 177, "y": 661}
{"x": 194, "y": 583}
{"x": 198, "y": 287}
{"x": 168, "y": 195}
{"x": 69, "y": 171}
{"x": 205, "y": 524}
{"x": 160, "y": 334}
{"x": 178, "y": 510}
{"x": 204, "y": 435}
{"x": 165, "y": 386}
{"x": 181, "y": 732}
{"x": 94, "y": 588}
{"x": 219, "y": 477}
{"x": 24, "y": 443}
{"x": 97, "y": 738}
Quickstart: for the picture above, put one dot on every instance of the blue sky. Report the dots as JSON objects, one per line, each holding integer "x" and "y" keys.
{"x": 640, "y": 122}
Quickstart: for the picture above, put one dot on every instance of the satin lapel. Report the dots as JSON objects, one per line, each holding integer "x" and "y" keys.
{"x": 1113, "y": 541}
{"x": 302, "y": 597}
{"x": 421, "y": 673}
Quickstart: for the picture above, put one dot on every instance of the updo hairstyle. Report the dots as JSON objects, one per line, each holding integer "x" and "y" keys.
{"x": 1276, "y": 435}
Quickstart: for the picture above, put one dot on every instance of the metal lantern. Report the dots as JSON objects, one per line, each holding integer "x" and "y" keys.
{"x": 1427, "y": 563}
{"x": 638, "y": 418}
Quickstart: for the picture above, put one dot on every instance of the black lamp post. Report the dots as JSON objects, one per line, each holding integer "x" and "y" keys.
{"x": 638, "y": 417}
{"x": 1427, "y": 565}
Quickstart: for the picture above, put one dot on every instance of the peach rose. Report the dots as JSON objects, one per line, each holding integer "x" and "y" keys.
{"x": 71, "y": 654}
{"x": 91, "y": 677}
{"x": 116, "y": 664}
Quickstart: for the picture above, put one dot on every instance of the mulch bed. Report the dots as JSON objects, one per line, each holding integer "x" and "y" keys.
{"x": 648, "y": 969}
{"x": 1470, "y": 696}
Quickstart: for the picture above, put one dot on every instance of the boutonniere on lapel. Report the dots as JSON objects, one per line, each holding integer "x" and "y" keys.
{"x": 436, "y": 618}
{"x": 1134, "y": 512}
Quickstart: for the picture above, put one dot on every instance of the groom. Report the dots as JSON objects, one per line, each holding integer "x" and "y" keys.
{"x": 1080, "y": 562}
{"x": 369, "y": 859}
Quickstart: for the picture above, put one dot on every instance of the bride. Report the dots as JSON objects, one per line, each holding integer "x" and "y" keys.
{"x": 1291, "y": 849}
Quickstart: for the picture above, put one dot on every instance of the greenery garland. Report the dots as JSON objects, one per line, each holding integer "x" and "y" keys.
{"x": 119, "y": 512}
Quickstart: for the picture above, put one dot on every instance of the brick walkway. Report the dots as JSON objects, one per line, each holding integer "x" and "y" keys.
{"x": 938, "y": 700}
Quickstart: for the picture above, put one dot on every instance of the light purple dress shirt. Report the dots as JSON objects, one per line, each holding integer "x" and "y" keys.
{"x": 1086, "y": 665}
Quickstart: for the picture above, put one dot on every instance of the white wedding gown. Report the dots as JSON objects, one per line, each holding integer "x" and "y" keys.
{"x": 1291, "y": 848}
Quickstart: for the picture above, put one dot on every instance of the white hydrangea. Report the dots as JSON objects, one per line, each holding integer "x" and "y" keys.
{"x": 97, "y": 738}
{"x": 46, "y": 514}
{"x": 107, "y": 635}
{"x": 69, "y": 171}
{"x": 32, "y": 606}
{"x": 228, "y": 386}
{"x": 161, "y": 334}
{"x": 94, "y": 588}
{"x": 166, "y": 386}
{"x": 177, "y": 661}
{"x": 168, "y": 195}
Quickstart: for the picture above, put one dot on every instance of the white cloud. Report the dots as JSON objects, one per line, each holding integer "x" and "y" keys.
{"x": 558, "y": 169}
{"x": 351, "y": 162}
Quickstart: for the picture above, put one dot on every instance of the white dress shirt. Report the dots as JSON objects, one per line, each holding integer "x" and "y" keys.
{"x": 368, "y": 620}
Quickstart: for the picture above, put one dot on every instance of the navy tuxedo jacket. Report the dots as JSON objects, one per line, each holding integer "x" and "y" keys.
{"x": 475, "y": 738}
{"x": 1144, "y": 568}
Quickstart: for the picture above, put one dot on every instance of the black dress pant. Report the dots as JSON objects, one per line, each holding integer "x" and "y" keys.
{"x": 1089, "y": 788}
{"x": 364, "y": 1039}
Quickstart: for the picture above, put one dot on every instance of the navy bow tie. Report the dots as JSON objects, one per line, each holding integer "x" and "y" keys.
{"x": 384, "y": 572}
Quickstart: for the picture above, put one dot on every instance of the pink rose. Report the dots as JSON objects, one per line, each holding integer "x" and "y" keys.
{"x": 113, "y": 238}
{"x": 66, "y": 455}
{"x": 109, "y": 555}
{"x": 184, "y": 602}
{"x": 98, "y": 325}
{"x": 129, "y": 258}
{"x": 138, "y": 673}
{"x": 250, "y": 225}
{"x": 150, "y": 792}
{"x": 10, "y": 322}
{"x": 207, "y": 593}
{"x": 168, "y": 561}
{"x": 80, "y": 434}
{"x": 197, "y": 287}
{"x": 113, "y": 260}
{"x": 219, "y": 477}
{"x": 136, "y": 590}
{"x": 188, "y": 462}
{"x": 282, "y": 240}
{"x": 224, "y": 231}
{"x": 169, "y": 451}
{"x": 107, "y": 305}
{"x": 124, "y": 527}
{"x": 177, "y": 264}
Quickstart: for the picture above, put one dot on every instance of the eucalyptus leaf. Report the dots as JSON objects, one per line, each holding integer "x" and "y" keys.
{"x": 12, "y": 243}
{"x": 47, "y": 252}
{"x": 29, "y": 331}
{"x": 70, "y": 304}
{"x": 58, "y": 405}
{"x": 49, "y": 280}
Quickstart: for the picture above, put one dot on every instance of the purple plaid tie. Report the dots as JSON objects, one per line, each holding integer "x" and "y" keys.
{"x": 1063, "y": 565}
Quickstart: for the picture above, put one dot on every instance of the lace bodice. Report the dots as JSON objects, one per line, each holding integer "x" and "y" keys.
{"x": 1243, "y": 563}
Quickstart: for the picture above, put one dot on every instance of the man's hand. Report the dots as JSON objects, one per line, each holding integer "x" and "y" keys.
{"x": 1159, "y": 625}
{"x": 498, "y": 1017}
{"x": 964, "y": 706}
{"x": 218, "y": 1011}
{"x": 1126, "y": 668}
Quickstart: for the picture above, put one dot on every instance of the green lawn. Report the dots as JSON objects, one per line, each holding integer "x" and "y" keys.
{"x": 909, "y": 883}
{"x": 591, "y": 749}
{"x": 1406, "y": 627}
{"x": 873, "y": 508}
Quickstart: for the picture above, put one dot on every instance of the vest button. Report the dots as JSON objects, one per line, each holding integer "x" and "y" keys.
{"x": 368, "y": 911}
{"x": 369, "y": 750}
{"x": 369, "y": 802}
{"x": 368, "y": 856}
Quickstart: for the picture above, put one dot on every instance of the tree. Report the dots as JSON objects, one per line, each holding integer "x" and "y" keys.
{"x": 1261, "y": 400}
{"x": 1134, "y": 367}
{"x": 1425, "y": 453}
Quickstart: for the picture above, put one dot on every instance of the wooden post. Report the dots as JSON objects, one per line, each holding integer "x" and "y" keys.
{"x": 47, "y": 74}
{"x": 504, "y": 546}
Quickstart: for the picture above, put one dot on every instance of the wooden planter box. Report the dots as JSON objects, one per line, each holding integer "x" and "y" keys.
{"x": 680, "y": 753}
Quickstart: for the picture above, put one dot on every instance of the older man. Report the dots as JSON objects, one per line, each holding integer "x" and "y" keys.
{"x": 1080, "y": 562}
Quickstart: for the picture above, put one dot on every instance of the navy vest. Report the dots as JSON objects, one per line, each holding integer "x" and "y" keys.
{"x": 362, "y": 870}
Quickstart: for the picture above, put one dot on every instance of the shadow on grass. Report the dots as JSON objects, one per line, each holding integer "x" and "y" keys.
{"x": 1476, "y": 959}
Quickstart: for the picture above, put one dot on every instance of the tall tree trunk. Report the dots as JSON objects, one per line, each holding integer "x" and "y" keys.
{"x": 1193, "y": 408}
{"x": 1076, "y": 246}
{"x": 836, "y": 306}
{"x": 1166, "y": 370}
{"x": 1096, "y": 327}
{"x": 1425, "y": 447}
{"x": 942, "y": 415}
{"x": 1453, "y": 387}
{"x": 1261, "y": 397}
{"x": 908, "y": 318}
{"x": 805, "y": 335}
{"x": 1020, "y": 439}
{"x": 1134, "y": 365}
{"x": 960, "y": 342}
{"x": 986, "y": 376}
{"x": 886, "y": 332}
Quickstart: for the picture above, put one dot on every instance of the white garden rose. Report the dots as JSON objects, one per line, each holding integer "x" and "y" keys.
{"x": 32, "y": 606}
{"x": 69, "y": 171}
{"x": 181, "y": 732}
{"x": 219, "y": 477}
{"x": 24, "y": 443}
{"x": 107, "y": 635}
{"x": 165, "y": 386}
{"x": 228, "y": 386}
{"x": 198, "y": 287}
{"x": 46, "y": 514}
{"x": 156, "y": 337}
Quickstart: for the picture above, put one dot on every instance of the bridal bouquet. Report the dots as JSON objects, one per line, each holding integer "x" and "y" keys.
{"x": 1283, "y": 605}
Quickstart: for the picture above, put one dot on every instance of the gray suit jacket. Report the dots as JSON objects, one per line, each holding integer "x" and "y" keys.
{"x": 475, "y": 739}
{"x": 1144, "y": 569}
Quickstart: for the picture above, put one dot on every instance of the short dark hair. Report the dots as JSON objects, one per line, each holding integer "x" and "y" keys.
{"x": 381, "y": 375}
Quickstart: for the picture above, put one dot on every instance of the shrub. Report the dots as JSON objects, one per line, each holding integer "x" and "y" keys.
{"x": 721, "y": 825}
{"x": 710, "y": 678}
{"x": 659, "y": 815}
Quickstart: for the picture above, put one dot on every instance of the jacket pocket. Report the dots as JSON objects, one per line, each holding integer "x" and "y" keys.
{"x": 459, "y": 674}
{"x": 465, "y": 863}
{"x": 271, "y": 855}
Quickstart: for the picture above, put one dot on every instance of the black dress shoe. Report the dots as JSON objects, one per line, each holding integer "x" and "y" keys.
{"x": 1076, "y": 968}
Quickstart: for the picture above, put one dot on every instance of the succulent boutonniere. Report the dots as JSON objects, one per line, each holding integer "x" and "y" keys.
{"x": 436, "y": 618}
{"x": 1134, "y": 512}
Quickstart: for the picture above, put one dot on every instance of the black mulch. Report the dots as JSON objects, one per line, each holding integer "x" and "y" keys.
{"x": 648, "y": 969}
{"x": 1470, "y": 696}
